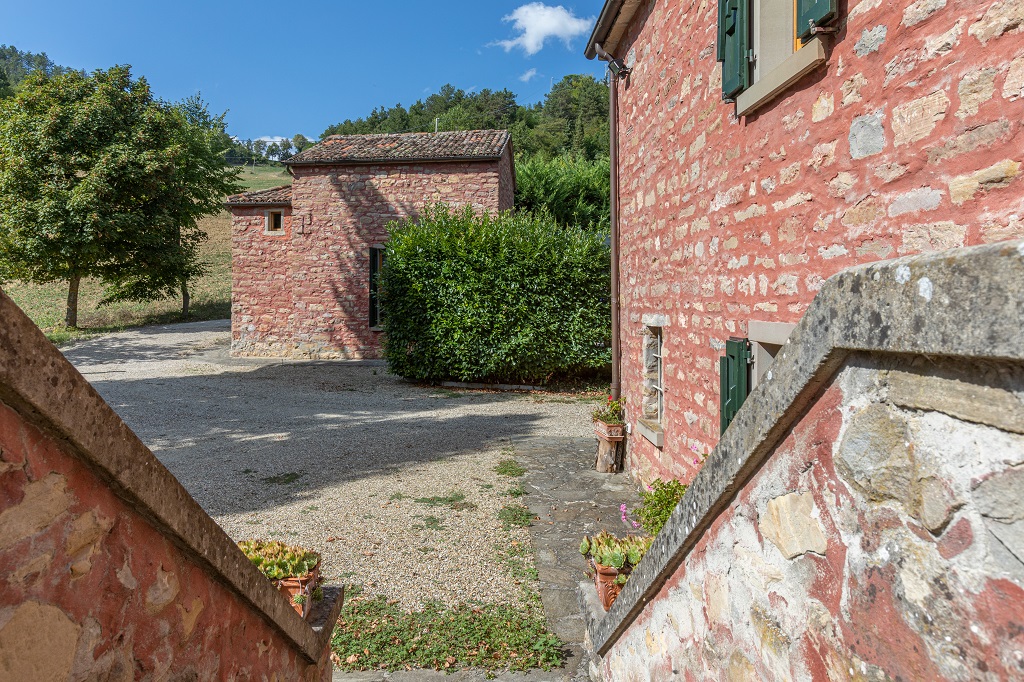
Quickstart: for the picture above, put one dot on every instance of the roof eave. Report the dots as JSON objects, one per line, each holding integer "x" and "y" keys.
{"x": 385, "y": 162}
{"x": 251, "y": 204}
{"x": 615, "y": 15}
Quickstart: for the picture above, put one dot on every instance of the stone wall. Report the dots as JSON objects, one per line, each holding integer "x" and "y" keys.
{"x": 338, "y": 213}
{"x": 109, "y": 569}
{"x": 885, "y": 544}
{"x": 909, "y": 140}
{"x": 862, "y": 516}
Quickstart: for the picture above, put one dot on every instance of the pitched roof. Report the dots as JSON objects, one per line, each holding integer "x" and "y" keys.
{"x": 459, "y": 145}
{"x": 275, "y": 196}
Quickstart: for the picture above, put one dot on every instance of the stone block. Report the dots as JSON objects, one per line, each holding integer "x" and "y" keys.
{"x": 918, "y": 11}
{"x": 975, "y": 88}
{"x": 1000, "y": 17}
{"x": 963, "y": 187}
{"x": 937, "y": 236}
{"x": 971, "y": 402}
{"x": 974, "y": 138}
{"x": 875, "y": 453}
{"x": 790, "y": 522}
{"x": 870, "y": 41}
{"x": 38, "y": 643}
{"x": 916, "y": 119}
{"x": 921, "y": 199}
{"x": 1013, "y": 85}
{"x": 867, "y": 137}
{"x": 43, "y": 502}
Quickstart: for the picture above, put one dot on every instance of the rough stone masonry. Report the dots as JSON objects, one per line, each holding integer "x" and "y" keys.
{"x": 908, "y": 140}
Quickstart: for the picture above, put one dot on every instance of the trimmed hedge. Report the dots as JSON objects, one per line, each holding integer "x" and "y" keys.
{"x": 506, "y": 298}
{"x": 575, "y": 191}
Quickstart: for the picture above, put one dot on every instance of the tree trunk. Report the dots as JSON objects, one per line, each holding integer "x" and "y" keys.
{"x": 71, "y": 317}
{"x": 185, "y": 299}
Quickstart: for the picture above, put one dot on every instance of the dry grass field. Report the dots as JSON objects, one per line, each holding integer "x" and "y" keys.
{"x": 211, "y": 294}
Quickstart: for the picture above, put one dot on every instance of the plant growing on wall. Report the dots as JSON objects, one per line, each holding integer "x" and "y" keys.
{"x": 658, "y": 502}
{"x": 277, "y": 560}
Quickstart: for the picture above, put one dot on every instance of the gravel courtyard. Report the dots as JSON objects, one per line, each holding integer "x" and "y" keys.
{"x": 333, "y": 455}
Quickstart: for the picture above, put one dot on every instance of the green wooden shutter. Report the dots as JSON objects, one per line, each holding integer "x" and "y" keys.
{"x": 821, "y": 12}
{"x": 375, "y": 263}
{"x": 733, "y": 44}
{"x": 735, "y": 379}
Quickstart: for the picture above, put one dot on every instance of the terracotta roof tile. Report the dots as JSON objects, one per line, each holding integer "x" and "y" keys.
{"x": 406, "y": 147}
{"x": 275, "y": 196}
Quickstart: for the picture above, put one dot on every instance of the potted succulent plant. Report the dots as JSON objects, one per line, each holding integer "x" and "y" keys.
{"x": 612, "y": 559}
{"x": 294, "y": 570}
{"x": 609, "y": 421}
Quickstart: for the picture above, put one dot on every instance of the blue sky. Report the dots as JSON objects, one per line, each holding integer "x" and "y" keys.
{"x": 296, "y": 67}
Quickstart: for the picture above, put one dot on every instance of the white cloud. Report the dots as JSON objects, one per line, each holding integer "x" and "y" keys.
{"x": 526, "y": 77}
{"x": 536, "y": 22}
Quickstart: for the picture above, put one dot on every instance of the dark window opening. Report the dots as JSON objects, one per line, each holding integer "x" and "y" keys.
{"x": 376, "y": 265}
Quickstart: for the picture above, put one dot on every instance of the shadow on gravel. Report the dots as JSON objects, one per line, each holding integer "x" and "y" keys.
{"x": 249, "y": 441}
{"x": 120, "y": 349}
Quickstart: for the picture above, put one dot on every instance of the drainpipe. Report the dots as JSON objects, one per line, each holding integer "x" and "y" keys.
{"x": 613, "y": 115}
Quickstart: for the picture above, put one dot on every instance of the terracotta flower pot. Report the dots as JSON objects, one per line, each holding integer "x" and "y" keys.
{"x": 609, "y": 432}
{"x": 303, "y": 585}
{"x": 604, "y": 579}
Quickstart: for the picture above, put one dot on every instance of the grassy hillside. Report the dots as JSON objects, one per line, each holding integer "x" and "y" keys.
{"x": 211, "y": 295}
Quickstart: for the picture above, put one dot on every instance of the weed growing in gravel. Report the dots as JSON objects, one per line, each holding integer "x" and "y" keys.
{"x": 516, "y": 491}
{"x": 514, "y": 556}
{"x": 283, "y": 479}
{"x": 486, "y": 486}
{"x": 376, "y": 634}
{"x": 509, "y": 467}
{"x": 450, "y": 499}
{"x": 515, "y": 515}
{"x": 397, "y": 496}
{"x": 432, "y": 523}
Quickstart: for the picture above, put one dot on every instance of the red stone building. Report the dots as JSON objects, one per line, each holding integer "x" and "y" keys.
{"x": 303, "y": 256}
{"x": 765, "y": 145}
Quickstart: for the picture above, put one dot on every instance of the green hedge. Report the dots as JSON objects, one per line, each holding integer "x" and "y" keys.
{"x": 506, "y": 298}
{"x": 575, "y": 191}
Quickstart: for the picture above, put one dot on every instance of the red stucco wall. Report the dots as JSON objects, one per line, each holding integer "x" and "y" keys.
{"x": 93, "y": 590}
{"x": 727, "y": 220}
{"x": 338, "y": 213}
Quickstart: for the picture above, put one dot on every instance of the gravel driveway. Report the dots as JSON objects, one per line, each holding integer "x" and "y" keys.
{"x": 332, "y": 455}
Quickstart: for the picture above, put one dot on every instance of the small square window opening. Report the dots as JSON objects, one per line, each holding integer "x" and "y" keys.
{"x": 274, "y": 222}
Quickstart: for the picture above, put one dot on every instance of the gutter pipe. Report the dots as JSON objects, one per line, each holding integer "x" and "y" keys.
{"x": 613, "y": 115}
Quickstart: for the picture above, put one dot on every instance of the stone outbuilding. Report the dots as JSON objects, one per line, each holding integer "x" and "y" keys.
{"x": 304, "y": 256}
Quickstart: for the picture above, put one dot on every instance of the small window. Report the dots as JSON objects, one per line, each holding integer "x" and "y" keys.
{"x": 767, "y": 45}
{"x": 376, "y": 265}
{"x": 651, "y": 422}
{"x": 274, "y": 222}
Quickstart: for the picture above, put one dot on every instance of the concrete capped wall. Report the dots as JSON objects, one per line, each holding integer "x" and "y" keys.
{"x": 109, "y": 569}
{"x": 321, "y": 309}
{"x": 861, "y": 518}
{"x": 908, "y": 140}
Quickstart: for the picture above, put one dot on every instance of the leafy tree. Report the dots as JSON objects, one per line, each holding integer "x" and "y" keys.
{"x": 300, "y": 142}
{"x": 99, "y": 179}
{"x": 196, "y": 186}
{"x": 5, "y": 86}
{"x": 17, "y": 65}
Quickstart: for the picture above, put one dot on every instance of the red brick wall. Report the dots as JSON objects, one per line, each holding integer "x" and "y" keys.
{"x": 725, "y": 221}
{"x": 91, "y": 589}
{"x": 338, "y": 213}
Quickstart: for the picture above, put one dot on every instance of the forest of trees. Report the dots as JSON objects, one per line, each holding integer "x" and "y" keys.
{"x": 572, "y": 119}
